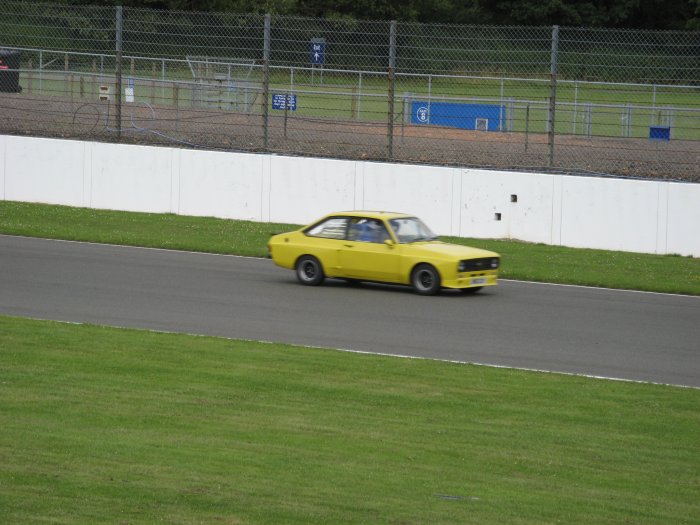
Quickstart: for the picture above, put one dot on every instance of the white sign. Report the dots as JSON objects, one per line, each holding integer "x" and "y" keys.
{"x": 129, "y": 93}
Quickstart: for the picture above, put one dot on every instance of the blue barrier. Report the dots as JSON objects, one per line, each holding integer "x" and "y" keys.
{"x": 660, "y": 132}
{"x": 485, "y": 117}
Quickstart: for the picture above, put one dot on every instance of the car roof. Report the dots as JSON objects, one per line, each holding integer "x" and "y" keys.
{"x": 371, "y": 214}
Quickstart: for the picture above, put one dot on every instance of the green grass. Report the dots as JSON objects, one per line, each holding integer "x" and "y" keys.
{"x": 103, "y": 425}
{"x": 524, "y": 261}
{"x": 204, "y": 234}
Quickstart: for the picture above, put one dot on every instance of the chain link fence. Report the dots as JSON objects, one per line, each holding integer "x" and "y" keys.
{"x": 572, "y": 100}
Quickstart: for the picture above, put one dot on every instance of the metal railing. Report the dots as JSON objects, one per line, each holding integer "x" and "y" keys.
{"x": 574, "y": 100}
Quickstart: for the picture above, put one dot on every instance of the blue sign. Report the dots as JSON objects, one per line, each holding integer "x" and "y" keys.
{"x": 284, "y": 102}
{"x": 422, "y": 115}
{"x": 318, "y": 51}
{"x": 486, "y": 117}
{"x": 130, "y": 82}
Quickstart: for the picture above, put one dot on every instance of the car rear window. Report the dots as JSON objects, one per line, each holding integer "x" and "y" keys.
{"x": 333, "y": 228}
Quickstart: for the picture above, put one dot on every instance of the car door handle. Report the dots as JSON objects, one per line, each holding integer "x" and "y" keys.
{"x": 349, "y": 245}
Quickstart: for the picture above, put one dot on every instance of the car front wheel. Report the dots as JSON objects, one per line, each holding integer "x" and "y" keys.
{"x": 425, "y": 279}
{"x": 309, "y": 270}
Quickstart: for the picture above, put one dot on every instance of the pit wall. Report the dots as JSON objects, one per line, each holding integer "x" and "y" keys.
{"x": 586, "y": 212}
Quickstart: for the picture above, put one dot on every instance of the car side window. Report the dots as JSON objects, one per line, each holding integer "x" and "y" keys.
{"x": 367, "y": 230}
{"x": 333, "y": 228}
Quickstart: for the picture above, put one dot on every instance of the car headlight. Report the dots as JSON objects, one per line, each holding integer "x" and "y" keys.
{"x": 495, "y": 262}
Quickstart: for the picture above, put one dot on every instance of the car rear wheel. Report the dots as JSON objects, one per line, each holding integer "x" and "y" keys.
{"x": 309, "y": 270}
{"x": 425, "y": 279}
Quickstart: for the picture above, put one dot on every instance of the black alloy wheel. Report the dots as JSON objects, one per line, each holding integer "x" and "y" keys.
{"x": 425, "y": 280}
{"x": 309, "y": 270}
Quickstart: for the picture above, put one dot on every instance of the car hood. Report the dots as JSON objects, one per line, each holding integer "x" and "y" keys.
{"x": 447, "y": 250}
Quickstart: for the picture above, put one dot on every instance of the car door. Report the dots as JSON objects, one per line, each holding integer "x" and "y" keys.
{"x": 325, "y": 241}
{"x": 365, "y": 255}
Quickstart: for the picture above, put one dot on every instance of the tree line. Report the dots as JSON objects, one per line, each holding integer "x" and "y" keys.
{"x": 628, "y": 14}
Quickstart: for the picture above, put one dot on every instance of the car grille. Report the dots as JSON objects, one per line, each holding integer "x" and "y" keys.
{"x": 477, "y": 265}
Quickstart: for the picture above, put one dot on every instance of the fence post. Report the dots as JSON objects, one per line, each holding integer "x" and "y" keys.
{"x": 118, "y": 72}
{"x": 527, "y": 125}
{"x": 575, "y": 106}
{"x": 553, "y": 91}
{"x": 359, "y": 97}
{"x": 392, "y": 66}
{"x": 30, "y": 75}
{"x": 266, "y": 79}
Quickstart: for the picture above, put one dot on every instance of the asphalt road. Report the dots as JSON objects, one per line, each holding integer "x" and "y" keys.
{"x": 619, "y": 334}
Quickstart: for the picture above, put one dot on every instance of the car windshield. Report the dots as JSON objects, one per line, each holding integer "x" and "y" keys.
{"x": 411, "y": 229}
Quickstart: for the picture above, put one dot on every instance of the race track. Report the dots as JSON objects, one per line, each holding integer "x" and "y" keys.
{"x": 618, "y": 334}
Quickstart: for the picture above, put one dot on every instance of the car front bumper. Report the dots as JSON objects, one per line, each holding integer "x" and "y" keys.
{"x": 470, "y": 281}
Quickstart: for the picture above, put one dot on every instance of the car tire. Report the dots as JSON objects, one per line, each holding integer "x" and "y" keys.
{"x": 471, "y": 291}
{"x": 309, "y": 270}
{"x": 425, "y": 279}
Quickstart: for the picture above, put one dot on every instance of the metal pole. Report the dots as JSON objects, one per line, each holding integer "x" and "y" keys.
{"x": 359, "y": 96}
{"x": 392, "y": 66}
{"x": 266, "y": 80}
{"x": 628, "y": 126}
{"x": 118, "y": 94}
{"x": 575, "y": 106}
{"x": 501, "y": 116}
{"x": 589, "y": 123}
{"x": 553, "y": 92}
{"x": 286, "y": 113}
{"x": 527, "y": 124}
{"x": 430, "y": 94}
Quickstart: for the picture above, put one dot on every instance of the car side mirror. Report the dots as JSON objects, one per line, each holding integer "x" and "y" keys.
{"x": 389, "y": 243}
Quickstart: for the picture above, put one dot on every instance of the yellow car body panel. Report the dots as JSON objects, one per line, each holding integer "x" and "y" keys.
{"x": 389, "y": 261}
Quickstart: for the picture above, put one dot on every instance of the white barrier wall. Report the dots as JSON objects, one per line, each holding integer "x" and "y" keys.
{"x": 592, "y": 212}
{"x": 44, "y": 171}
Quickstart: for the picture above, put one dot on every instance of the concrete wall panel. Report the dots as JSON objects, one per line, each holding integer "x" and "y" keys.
{"x": 425, "y": 191}
{"x": 302, "y": 189}
{"x": 130, "y": 178}
{"x": 683, "y": 219}
{"x": 44, "y": 170}
{"x": 505, "y": 205}
{"x": 220, "y": 185}
{"x": 611, "y": 214}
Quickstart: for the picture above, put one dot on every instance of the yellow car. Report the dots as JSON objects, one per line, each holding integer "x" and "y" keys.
{"x": 382, "y": 247}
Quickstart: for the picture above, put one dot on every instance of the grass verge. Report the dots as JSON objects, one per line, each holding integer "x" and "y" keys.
{"x": 524, "y": 261}
{"x": 104, "y": 425}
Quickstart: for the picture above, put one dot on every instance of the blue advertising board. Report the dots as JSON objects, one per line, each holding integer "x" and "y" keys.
{"x": 486, "y": 117}
{"x": 284, "y": 102}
